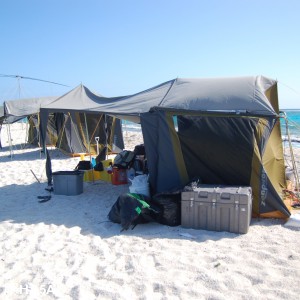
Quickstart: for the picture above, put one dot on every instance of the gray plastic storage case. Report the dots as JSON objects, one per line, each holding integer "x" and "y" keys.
{"x": 217, "y": 208}
{"x": 69, "y": 183}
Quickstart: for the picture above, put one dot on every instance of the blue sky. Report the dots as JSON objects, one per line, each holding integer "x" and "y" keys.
{"x": 124, "y": 46}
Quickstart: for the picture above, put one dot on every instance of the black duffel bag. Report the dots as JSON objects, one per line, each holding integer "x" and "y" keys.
{"x": 84, "y": 165}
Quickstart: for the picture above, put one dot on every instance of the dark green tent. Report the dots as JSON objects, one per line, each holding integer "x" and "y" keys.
{"x": 222, "y": 130}
{"x": 233, "y": 138}
{"x": 78, "y": 125}
{"x": 72, "y": 132}
{"x": 18, "y": 109}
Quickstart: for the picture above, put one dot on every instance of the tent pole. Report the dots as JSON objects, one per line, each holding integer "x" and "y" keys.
{"x": 97, "y": 142}
{"x": 89, "y": 144}
{"x": 106, "y": 138}
{"x": 295, "y": 171}
{"x": 125, "y": 125}
{"x": 39, "y": 133}
{"x": 0, "y": 134}
{"x": 61, "y": 132}
{"x": 9, "y": 140}
{"x": 26, "y": 132}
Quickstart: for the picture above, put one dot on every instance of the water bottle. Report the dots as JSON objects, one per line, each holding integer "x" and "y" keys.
{"x": 130, "y": 174}
{"x": 93, "y": 162}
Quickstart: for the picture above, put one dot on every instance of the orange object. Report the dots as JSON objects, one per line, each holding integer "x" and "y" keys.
{"x": 119, "y": 176}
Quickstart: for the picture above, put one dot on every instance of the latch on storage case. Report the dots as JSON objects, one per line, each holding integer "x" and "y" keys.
{"x": 236, "y": 204}
{"x": 214, "y": 202}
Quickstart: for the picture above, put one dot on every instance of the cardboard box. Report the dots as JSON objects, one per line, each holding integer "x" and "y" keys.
{"x": 217, "y": 208}
{"x": 69, "y": 183}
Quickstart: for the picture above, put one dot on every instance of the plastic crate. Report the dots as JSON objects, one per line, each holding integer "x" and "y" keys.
{"x": 68, "y": 183}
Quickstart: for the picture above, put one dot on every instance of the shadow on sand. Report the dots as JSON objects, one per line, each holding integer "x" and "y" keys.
{"x": 88, "y": 211}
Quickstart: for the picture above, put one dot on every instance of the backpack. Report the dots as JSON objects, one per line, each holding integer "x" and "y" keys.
{"x": 139, "y": 150}
{"x": 124, "y": 159}
{"x": 132, "y": 209}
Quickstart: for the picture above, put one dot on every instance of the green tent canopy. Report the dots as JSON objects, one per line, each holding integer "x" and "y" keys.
{"x": 221, "y": 130}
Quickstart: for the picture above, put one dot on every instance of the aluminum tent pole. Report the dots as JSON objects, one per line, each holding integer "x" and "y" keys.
{"x": 9, "y": 140}
{"x": 89, "y": 144}
{"x": 106, "y": 137}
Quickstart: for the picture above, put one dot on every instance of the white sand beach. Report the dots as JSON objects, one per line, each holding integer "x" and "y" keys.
{"x": 67, "y": 248}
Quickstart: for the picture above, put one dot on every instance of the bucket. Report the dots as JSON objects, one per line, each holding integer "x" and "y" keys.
{"x": 119, "y": 176}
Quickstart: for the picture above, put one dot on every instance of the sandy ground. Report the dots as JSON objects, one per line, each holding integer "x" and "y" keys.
{"x": 67, "y": 249}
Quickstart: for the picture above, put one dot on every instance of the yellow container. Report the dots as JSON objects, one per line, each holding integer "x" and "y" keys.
{"x": 92, "y": 175}
{"x": 104, "y": 175}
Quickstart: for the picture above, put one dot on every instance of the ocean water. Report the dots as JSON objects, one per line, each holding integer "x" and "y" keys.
{"x": 292, "y": 115}
{"x": 130, "y": 126}
{"x": 293, "y": 123}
